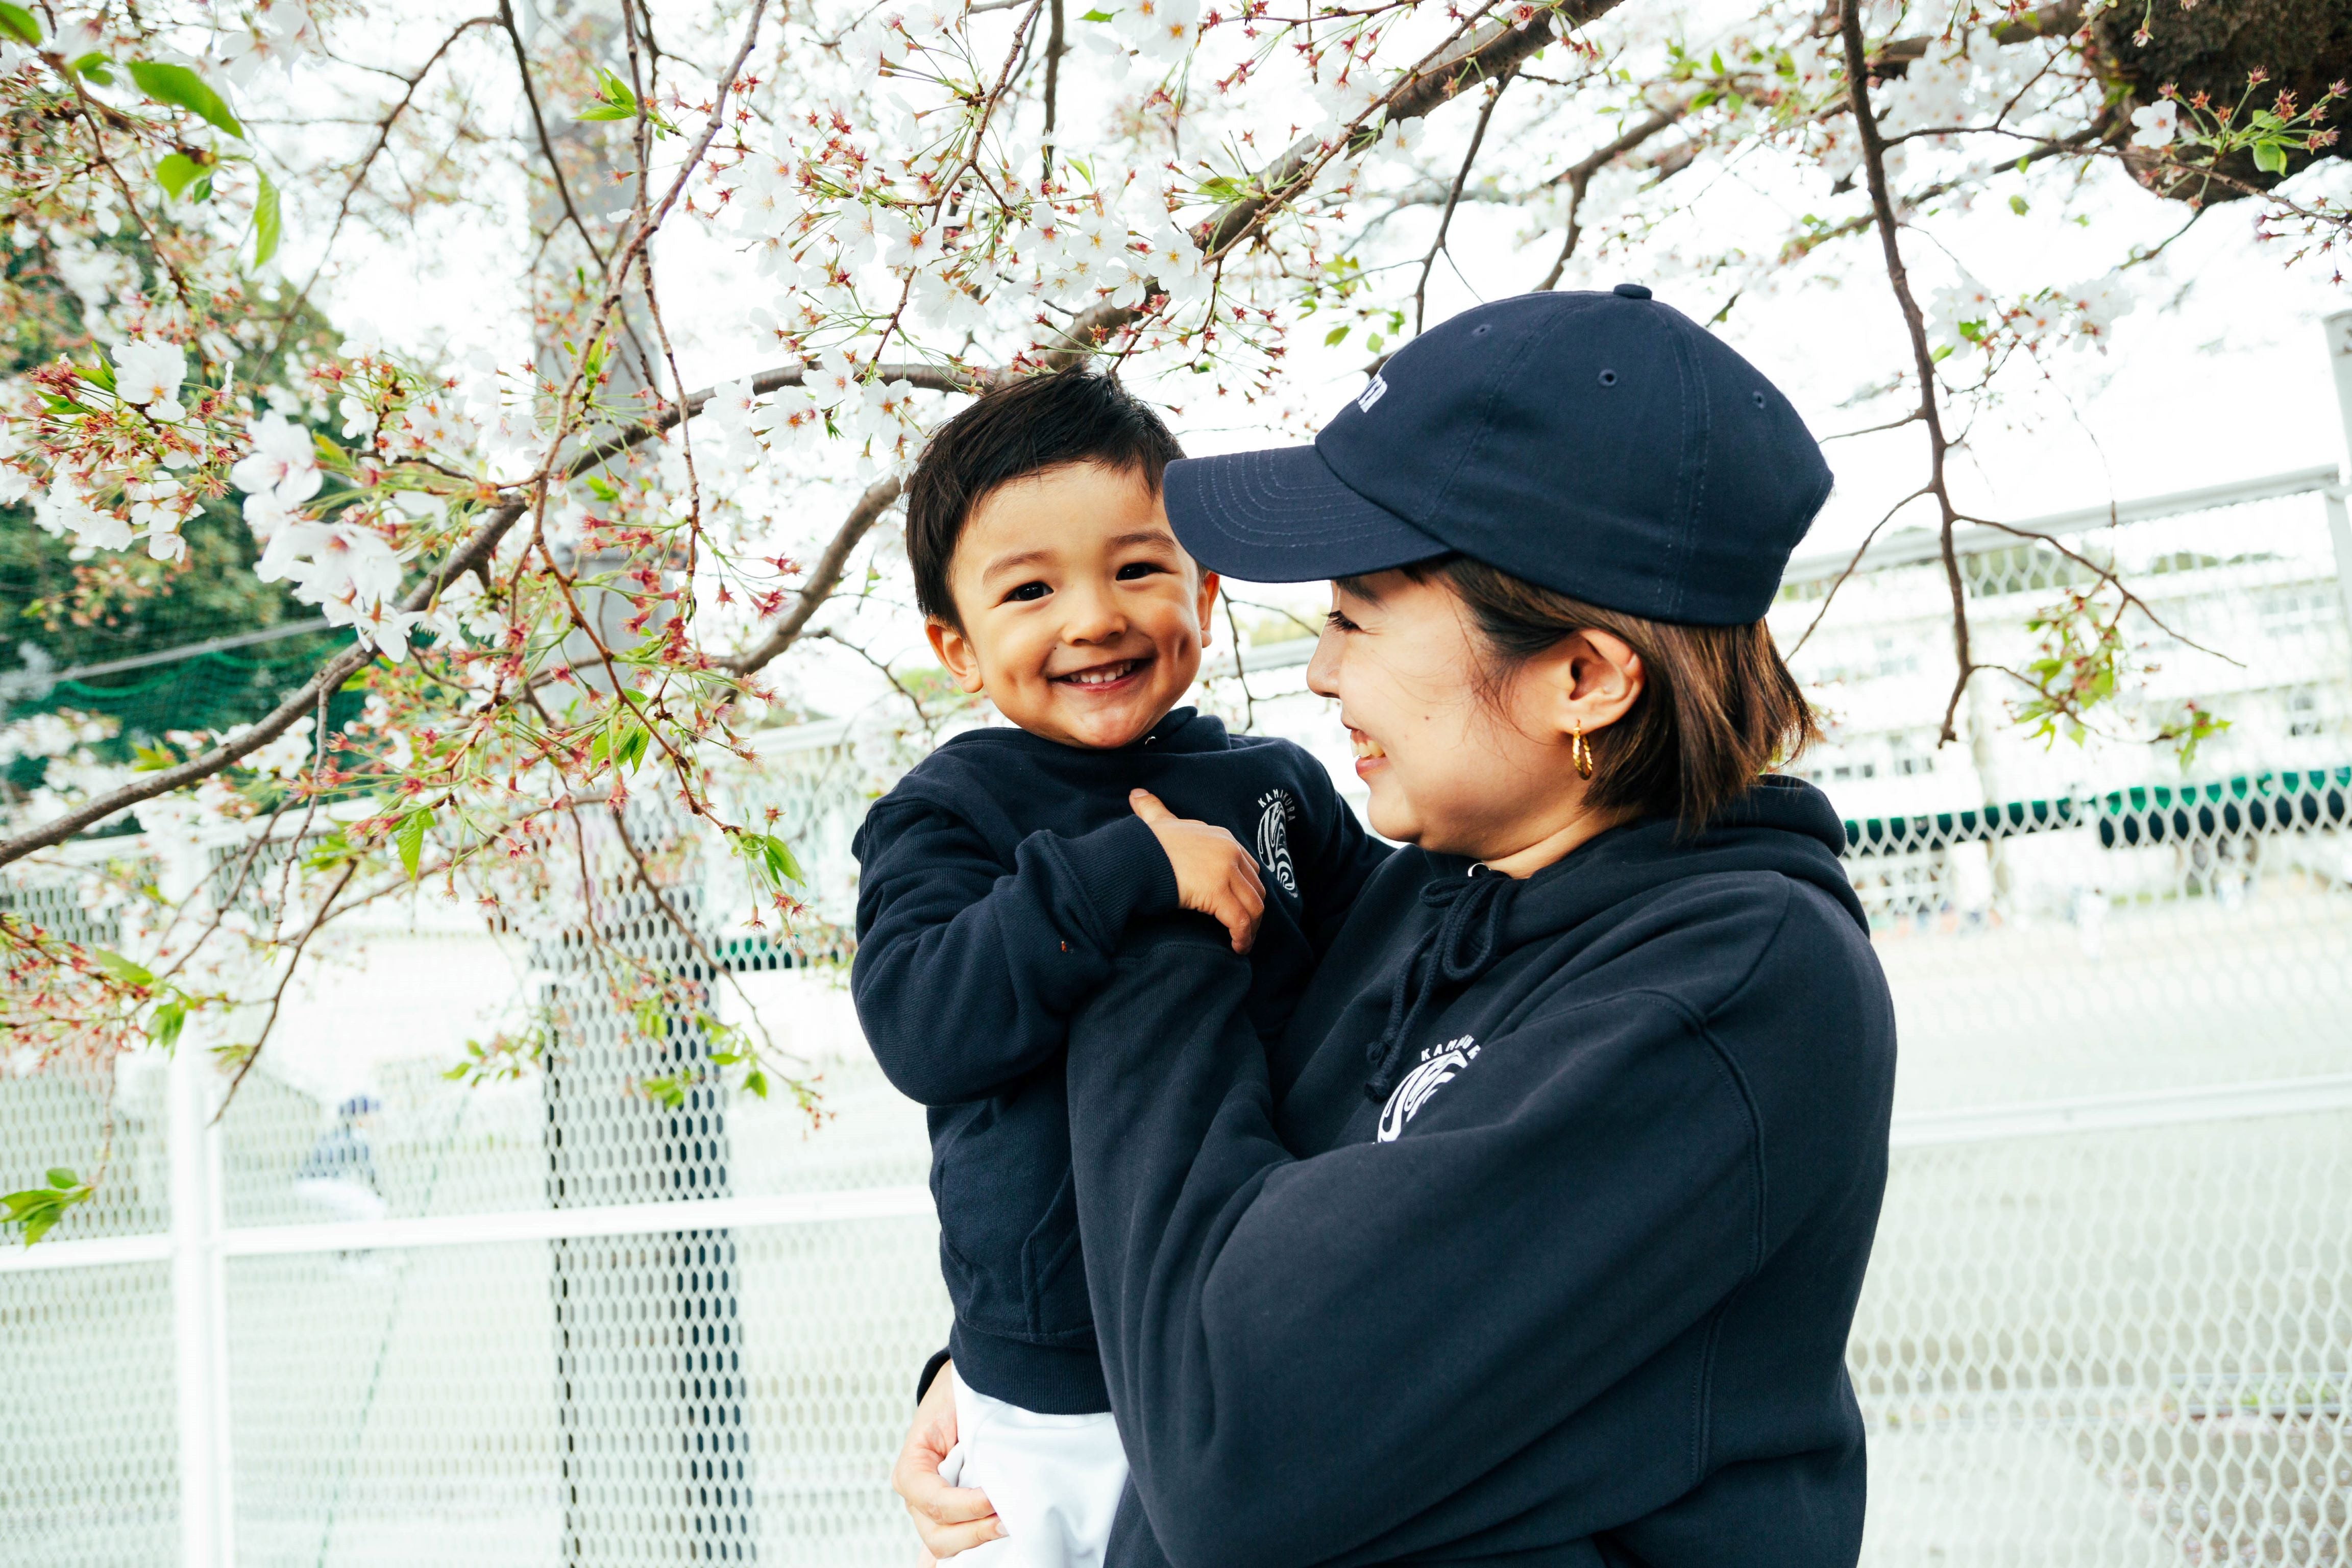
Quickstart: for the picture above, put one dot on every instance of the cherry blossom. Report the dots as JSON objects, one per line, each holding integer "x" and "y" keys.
{"x": 149, "y": 373}
{"x": 284, "y": 462}
{"x": 2155, "y": 124}
{"x": 158, "y": 508}
{"x": 66, "y": 508}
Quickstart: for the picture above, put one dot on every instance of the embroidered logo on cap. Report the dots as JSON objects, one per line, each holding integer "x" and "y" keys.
{"x": 1372, "y": 394}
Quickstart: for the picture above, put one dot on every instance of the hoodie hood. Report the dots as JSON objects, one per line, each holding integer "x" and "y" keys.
{"x": 1782, "y": 825}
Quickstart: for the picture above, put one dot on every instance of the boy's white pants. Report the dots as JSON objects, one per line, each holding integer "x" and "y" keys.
{"x": 1055, "y": 1480}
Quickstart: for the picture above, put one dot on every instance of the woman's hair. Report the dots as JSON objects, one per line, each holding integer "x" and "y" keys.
{"x": 1717, "y": 707}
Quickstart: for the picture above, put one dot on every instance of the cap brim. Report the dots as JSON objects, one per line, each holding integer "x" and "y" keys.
{"x": 1282, "y": 516}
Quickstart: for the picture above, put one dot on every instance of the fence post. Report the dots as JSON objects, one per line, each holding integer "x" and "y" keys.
{"x": 199, "y": 1329}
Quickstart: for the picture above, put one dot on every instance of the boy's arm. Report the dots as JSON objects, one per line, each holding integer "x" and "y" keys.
{"x": 966, "y": 976}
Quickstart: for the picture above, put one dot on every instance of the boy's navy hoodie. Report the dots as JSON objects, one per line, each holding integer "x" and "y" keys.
{"x": 999, "y": 878}
{"x": 1569, "y": 1283}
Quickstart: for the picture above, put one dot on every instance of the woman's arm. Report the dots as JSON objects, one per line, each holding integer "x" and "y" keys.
{"x": 1306, "y": 1354}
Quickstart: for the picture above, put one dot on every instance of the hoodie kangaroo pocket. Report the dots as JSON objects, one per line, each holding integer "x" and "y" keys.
{"x": 1054, "y": 1268}
{"x": 1009, "y": 1221}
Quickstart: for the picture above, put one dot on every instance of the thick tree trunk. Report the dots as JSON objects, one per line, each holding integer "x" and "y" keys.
{"x": 2211, "y": 47}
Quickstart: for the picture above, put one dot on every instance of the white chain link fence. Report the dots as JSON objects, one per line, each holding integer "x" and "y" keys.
{"x": 377, "y": 1317}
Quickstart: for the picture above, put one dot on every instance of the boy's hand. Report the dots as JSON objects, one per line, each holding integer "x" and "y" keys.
{"x": 1214, "y": 875}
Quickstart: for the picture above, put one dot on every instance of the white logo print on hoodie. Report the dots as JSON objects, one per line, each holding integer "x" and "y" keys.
{"x": 1439, "y": 1066}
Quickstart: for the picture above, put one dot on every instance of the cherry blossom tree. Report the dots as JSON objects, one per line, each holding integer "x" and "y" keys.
{"x": 570, "y": 578}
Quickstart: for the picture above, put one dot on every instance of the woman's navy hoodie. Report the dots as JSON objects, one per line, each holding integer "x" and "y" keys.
{"x": 1537, "y": 1237}
{"x": 998, "y": 879}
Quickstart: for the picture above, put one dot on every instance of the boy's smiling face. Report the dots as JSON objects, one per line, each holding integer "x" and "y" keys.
{"x": 1083, "y": 618}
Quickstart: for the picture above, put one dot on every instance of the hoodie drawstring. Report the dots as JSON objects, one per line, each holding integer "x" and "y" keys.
{"x": 1455, "y": 951}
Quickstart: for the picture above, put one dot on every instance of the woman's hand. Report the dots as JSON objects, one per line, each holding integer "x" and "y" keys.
{"x": 1214, "y": 875}
{"x": 949, "y": 1518}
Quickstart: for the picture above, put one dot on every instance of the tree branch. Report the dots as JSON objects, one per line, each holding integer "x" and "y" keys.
{"x": 277, "y": 998}
{"x": 1488, "y": 51}
{"x": 1853, "y": 563}
{"x": 929, "y": 377}
{"x": 1578, "y": 175}
{"x": 554, "y": 166}
{"x": 359, "y": 176}
{"x": 1055, "y": 48}
{"x": 823, "y": 578}
{"x": 1453, "y": 198}
{"x": 1882, "y": 202}
{"x": 1895, "y": 56}
{"x": 476, "y": 550}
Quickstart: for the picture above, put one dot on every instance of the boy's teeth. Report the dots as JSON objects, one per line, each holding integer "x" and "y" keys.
{"x": 1366, "y": 746}
{"x": 1102, "y": 677}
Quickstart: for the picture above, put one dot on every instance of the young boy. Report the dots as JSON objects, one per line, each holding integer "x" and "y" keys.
{"x": 1001, "y": 874}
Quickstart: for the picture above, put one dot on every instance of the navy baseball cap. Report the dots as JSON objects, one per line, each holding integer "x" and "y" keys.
{"x": 1603, "y": 446}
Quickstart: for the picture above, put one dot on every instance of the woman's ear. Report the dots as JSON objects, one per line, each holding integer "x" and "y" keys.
{"x": 1587, "y": 680}
{"x": 1605, "y": 677}
{"x": 1208, "y": 602}
{"x": 960, "y": 659}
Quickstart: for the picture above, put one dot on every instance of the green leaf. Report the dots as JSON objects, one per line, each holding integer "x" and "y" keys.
{"x": 333, "y": 848}
{"x": 266, "y": 225}
{"x": 64, "y": 1181}
{"x": 1099, "y": 15}
{"x": 781, "y": 864}
{"x": 1704, "y": 98}
{"x": 757, "y": 1082}
{"x": 1715, "y": 62}
{"x": 1943, "y": 352}
{"x": 39, "y": 1209}
{"x": 603, "y": 490}
{"x": 19, "y": 24}
{"x": 2018, "y": 205}
{"x": 614, "y": 100}
{"x": 164, "y": 1027}
{"x": 183, "y": 88}
{"x": 123, "y": 969}
{"x": 409, "y": 839}
{"x": 2270, "y": 157}
{"x": 176, "y": 172}
{"x": 92, "y": 65}
{"x": 1374, "y": 342}
{"x": 1335, "y": 337}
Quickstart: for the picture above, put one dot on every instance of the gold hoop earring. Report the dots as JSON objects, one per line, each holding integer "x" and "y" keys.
{"x": 1579, "y": 752}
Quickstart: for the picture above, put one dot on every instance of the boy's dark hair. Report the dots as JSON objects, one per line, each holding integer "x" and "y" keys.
{"x": 1040, "y": 422}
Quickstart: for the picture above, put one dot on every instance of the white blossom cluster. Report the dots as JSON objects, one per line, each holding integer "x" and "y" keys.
{"x": 1968, "y": 313}
{"x": 147, "y": 377}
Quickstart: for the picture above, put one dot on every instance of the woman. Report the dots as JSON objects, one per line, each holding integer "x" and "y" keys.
{"x": 1536, "y": 1238}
